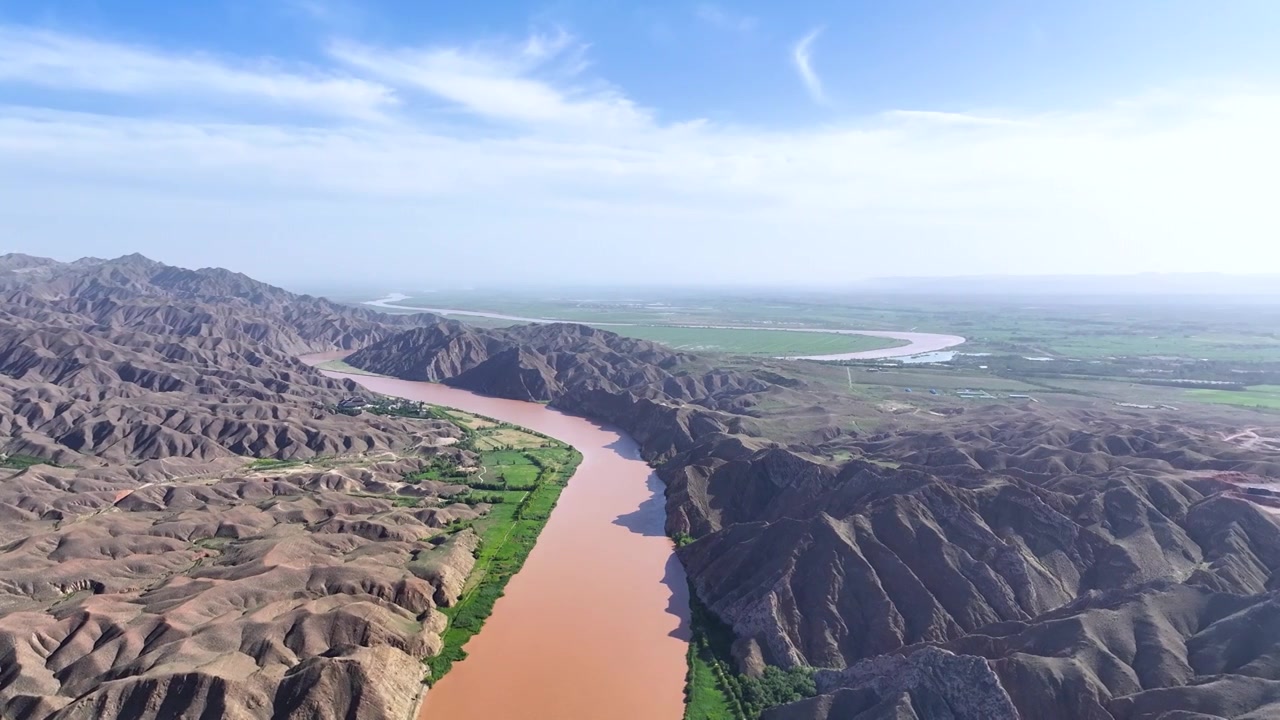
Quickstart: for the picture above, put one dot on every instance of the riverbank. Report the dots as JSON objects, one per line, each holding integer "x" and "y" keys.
{"x": 596, "y": 624}
{"x": 519, "y": 513}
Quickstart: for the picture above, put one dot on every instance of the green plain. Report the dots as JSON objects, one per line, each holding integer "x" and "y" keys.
{"x": 1094, "y": 329}
{"x": 754, "y": 342}
{"x": 705, "y": 697}
{"x": 1258, "y": 396}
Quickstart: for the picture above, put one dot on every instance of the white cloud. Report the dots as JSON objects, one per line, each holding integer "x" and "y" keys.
{"x": 1176, "y": 180}
{"x": 68, "y": 62}
{"x": 545, "y": 47}
{"x": 948, "y": 118}
{"x": 513, "y": 83}
{"x": 802, "y": 56}
{"x": 720, "y": 18}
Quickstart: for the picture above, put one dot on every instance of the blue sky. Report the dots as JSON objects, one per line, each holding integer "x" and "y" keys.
{"x": 754, "y": 141}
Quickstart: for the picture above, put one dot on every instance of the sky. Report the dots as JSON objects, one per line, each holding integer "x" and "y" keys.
{"x": 425, "y": 144}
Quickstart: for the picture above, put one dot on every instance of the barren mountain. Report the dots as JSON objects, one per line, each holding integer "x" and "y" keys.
{"x": 156, "y": 574}
{"x": 241, "y": 595}
{"x": 1054, "y": 560}
{"x": 131, "y": 359}
{"x": 145, "y": 297}
{"x": 531, "y": 362}
{"x": 1042, "y": 561}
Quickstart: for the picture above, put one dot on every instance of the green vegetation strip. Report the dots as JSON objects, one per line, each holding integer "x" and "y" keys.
{"x": 507, "y": 536}
{"x": 715, "y": 690}
{"x": 1258, "y": 396}
{"x": 755, "y": 342}
{"x": 1000, "y": 323}
{"x": 273, "y": 464}
{"x": 22, "y": 462}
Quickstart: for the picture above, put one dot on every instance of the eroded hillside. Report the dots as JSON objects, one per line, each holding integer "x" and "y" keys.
{"x": 1040, "y": 560}
{"x": 197, "y": 524}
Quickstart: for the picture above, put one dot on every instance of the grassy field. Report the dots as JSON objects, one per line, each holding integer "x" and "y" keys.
{"x": 710, "y": 691}
{"x": 22, "y": 462}
{"x": 663, "y": 324}
{"x": 500, "y": 438}
{"x": 754, "y": 342}
{"x": 468, "y": 420}
{"x": 663, "y": 328}
{"x": 510, "y": 468}
{"x": 1089, "y": 329}
{"x": 1259, "y": 396}
{"x": 705, "y": 697}
{"x": 1207, "y": 346}
{"x": 568, "y": 310}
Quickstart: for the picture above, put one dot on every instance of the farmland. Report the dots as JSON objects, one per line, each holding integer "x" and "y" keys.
{"x": 753, "y": 341}
{"x": 1260, "y": 396}
{"x": 521, "y": 476}
{"x": 1090, "y": 329}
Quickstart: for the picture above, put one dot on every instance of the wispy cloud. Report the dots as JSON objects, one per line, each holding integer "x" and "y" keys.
{"x": 802, "y": 56}
{"x": 718, "y": 17}
{"x": 528, "y": 82}
{"x": 69, "y": 62}
{"x": 580, "y": 169}
{"x": 336, "y": 15}
{"x": 950, "y": 118}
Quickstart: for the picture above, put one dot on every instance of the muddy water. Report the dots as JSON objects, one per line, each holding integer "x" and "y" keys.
{"x": 596, "y": 623}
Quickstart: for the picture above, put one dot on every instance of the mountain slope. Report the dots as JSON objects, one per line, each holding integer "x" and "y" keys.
{"x": 157, "y": 574}
{"x": 131, "y": 359}
{"x": 940, "y": 580}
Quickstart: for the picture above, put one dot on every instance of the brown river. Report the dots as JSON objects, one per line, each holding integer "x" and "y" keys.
{"x": 596, "y": 624}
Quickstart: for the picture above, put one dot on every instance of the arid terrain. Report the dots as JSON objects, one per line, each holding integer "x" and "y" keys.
{"x": 193, "y": 527}
{"x": 190, "y": 526}
{"x": 1064, "y": 559}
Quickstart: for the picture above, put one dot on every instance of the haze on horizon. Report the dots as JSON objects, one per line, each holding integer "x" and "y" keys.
{"x": 320, "y": 142}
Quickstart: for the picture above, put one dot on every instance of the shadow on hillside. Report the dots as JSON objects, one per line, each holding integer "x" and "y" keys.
{"x": 678, "y": 605}
{"x": 650, "y": 518}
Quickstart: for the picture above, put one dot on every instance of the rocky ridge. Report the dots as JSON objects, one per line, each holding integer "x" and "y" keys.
{"x": 160, "y": 594}
{"x": 108, "y": 361}
{"x": 963, "y": 544}
{"x": 147, "y": 570}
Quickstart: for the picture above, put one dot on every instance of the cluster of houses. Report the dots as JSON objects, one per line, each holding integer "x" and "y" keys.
{"x": 1142, "y": 406}
{"x": 975, "y": 394}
